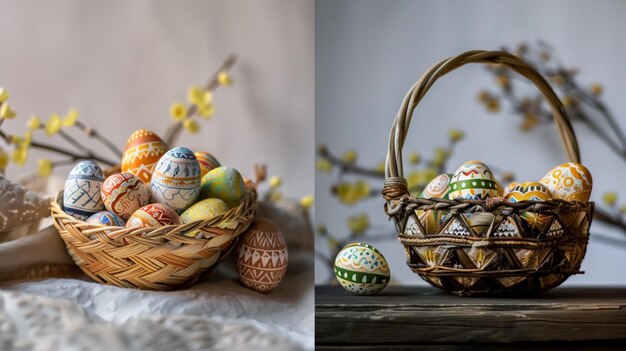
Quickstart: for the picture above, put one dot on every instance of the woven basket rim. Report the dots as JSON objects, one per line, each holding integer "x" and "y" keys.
{"x": 149, "y": 232}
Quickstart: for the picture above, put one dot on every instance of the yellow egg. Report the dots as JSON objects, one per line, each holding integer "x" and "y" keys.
{"x": 437, "y": 188}
{"x": 509, "y": 187}
{"x": 529, "y": 191}
{"x": 206, "y": 209}
{"x": 473, "y": 181}
{"x": 569, "y": 181}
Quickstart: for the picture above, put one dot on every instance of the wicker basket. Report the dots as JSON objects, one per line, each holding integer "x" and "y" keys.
{"x": 487, "y": 262}
{"x": 156, "y": 258}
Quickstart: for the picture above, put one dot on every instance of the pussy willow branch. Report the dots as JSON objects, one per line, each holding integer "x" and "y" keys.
{"x": 96, "y": 135}
{"x": 73, "y": 155}
{"x": 212, "y": 84}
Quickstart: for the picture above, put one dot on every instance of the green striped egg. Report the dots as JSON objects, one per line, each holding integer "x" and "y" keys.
{"x": 473, "y": 181}
{"x": 361, "y": 269}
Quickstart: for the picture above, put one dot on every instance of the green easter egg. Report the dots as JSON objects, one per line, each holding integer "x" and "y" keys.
{"x": 224, "y": 183}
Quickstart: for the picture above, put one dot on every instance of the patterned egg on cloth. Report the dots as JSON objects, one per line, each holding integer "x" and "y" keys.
{"x": 569, "y": 181}
{"x": 224, "y": 183}
{"x": 473, "y": 181}
{"x": 81, "y": 195}
{"x": 123, "y": 193}
{"x": 153, "y": 215}
{"x": 143, "y": 150}
{"x": 207, "y": 162}
{"x": 106, "y": 218}
{"x": 176, "y": 179}
{"x": 262, "y": 256}
{"x": 361, "y": 269}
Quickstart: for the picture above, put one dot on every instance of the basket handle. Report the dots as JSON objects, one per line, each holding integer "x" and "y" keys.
{"x": 395, "y": 183}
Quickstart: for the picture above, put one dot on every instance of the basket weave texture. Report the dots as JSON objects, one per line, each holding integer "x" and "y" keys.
{"x": 487, "y": 247}
{"x": 155, "y": 258}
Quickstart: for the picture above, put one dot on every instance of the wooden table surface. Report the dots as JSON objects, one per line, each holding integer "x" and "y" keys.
{"x": 404, "y": 317}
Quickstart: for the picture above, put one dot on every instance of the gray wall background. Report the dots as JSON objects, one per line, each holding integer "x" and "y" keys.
{"x": 122, "y": 63}
{"x": 368, "y": 53}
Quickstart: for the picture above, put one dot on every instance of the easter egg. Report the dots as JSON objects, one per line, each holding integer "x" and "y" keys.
{"x": 262, "y": 256}
{"x": 153, "y": 215}
{"x": 207, "y": 162}
{"x": 529, "y": 191}
{"x": 206, "y": 209}
{"x": 473, "y": 181}
{"x": 81, "y": 195}
{"x": 143, "y": 150}
{"x": 106, "y": 218}
{"x": 176, "y": 179}
{"x": 569, "y": 181}
{"x": 437, "y": 188}
{"x": 224, "y": 183}
{"x": 123, "y": 193}
{"x": 361, "y": 269}
{"x": 509, "y": 187}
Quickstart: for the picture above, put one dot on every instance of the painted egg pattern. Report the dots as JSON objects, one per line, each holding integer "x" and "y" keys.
{"x": 361, "y": 269}
{"x": 473, "y": 181}
{"x": 153, "y": 215}
{"x": 106, "y": 218}
{"x": 123, "y": 193}
{"x": 206, "y": 209}
{"x": 262, "y": 256}
{"x": 529, "y": 191}
{"x": 569, "y": 181}
{"x": 81, "y": 195}
{"x": 438, "y": 187}
{"x": 224, "y": 183}
{"x": 176, "y": 179}
{"x": 509, "y": 187}
{"x": 207, "y": 162}
{"x": 143, "y": 150}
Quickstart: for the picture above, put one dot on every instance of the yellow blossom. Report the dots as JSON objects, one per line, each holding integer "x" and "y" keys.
{"x": 275, "y": 182}
{"x": 44, "y": 167}
{"x": 351, "y": 193}
{"x": 276, "y": 196}
{"x": 530, "y": 121}
{"x": 4, "y": 159}
{"x": 306, "y": 201}
{"x": 596, "y": 89}
{"x": 380, "y": 167}
{"x": 178, "y": 111}
{"x": 28, "y": 139}
{"x": 54, "y": 124}
{"x": 350, "y": 156}
{"x": 441, "y": 155}
{"x": 622, "y": 209}
{"x": 4, "y": 95}
{"x": 610, "y": 198}
{"x": 19, "y": 156}
{"x": 333, "y": 244}
{"x": 6, "y": 111}
{"x": 324, "y": 165}
{"x": 484, "y": 96}
{"x": 206, "y": 111}
{"x": 569, "y": 101}
{"x": 415, "y": 158}
{"x": 34, "y": 122}
{"x": 224, "y": 79}
{"x": 359, "y": 224}
{"x": 70, "y": 119}
{"x": 191, "y": 126}
{"x": 455, "y": 134}
{"x": 198, "y": 96}
{"x": 503, "y": 81}
{"x": 493, "y": 105}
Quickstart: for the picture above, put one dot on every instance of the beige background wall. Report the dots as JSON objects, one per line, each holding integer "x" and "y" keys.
{"x": 122, "y": 63}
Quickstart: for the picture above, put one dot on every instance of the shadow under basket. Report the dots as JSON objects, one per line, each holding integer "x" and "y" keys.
{"x": 153, "y": 258}
{"x": 487, "y": 246}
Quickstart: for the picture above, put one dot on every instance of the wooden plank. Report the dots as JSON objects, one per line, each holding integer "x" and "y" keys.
{"x": 404, "y": 315}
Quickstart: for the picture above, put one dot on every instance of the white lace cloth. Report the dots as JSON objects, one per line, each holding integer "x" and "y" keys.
{"x": 71, "y": 314}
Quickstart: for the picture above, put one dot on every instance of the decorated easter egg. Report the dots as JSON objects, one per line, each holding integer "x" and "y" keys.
{"x": 106, "y": 218}
{"x": 143, "y": 150}
{"x": 473, "y": 181}
{"x": 224, "y": 183}
{"x": 206, "y": 209}
{"x": 153, "y": 215}
{"x": 529, "y": 191}
{"x": 569, "y": 181}
{"x": 437, "y": 188}
{"x": 509, "y": 187}
{"x": 176, "y": 179}
{"x": 123, "y": 193}
{"x": 81, "y": 195}
{"x": 361, "y": 269}
{"x": 207, "y": 162}
{"x": 262, "y": 256}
